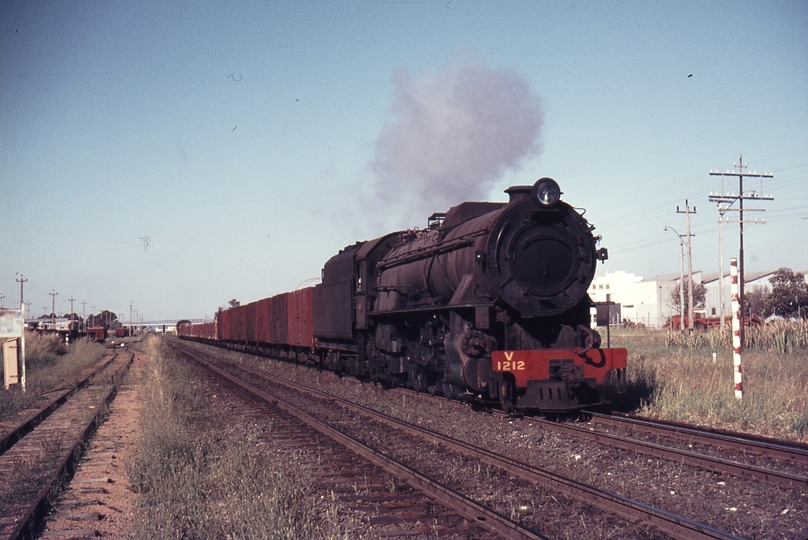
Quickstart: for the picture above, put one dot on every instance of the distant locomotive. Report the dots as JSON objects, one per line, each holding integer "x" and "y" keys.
{"x": 488, "y": 303}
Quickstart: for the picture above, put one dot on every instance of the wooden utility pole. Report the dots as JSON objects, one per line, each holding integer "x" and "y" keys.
{"x": 21, "y": 281}
{"x": 53, "y": 308}
{"x": 687, "y": 213}
{"x": 681, "y": 278}
{"x": 740, "y": 197}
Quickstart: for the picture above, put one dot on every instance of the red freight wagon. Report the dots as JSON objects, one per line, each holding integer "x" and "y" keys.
{"x": 299, "y": 316}
{"x": 250, "y": 334}
{"x": 279, "y": 328}
{"x": 208, "y": 330}
{"x": 232, "y": 324}
{"x": 237, "y": 324}
{"x": 98, "y": 333}
{"x": 123, "y": 331}
{"x": 263, "y": 317}
{"x": 224, "y": 325}
{"x": 226, "y": 322}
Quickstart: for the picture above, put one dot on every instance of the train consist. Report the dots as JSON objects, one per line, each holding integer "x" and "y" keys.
{"x": 488, "y": 303}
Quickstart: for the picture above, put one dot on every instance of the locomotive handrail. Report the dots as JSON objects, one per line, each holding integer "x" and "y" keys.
{"x": 426, "y": 252}
{"x": 427, "y": 308}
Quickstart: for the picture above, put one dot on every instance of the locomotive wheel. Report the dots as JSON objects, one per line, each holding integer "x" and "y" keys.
{"x": 507, "y": 395}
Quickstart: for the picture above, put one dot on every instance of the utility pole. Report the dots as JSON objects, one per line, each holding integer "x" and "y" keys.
{"x": 687, "y": 213}
{"x": 740, "y": 198}
{"x": 1, "y": 300}
{"x": 21, "y": 281}
{"x": 681, "y": 278}
{"x": 84, "y": 313}
{"x": 53, "y": 308}
{"x": 71, "y": 300}
{"x": 721, "y": 211}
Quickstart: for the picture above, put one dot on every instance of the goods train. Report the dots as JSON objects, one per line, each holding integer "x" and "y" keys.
{"x": 488, "y": 303}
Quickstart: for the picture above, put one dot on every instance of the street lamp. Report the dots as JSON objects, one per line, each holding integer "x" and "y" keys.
{"x": 681, "y": 278}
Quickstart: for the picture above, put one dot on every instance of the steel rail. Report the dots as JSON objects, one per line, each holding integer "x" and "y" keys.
{"x": 27, "y": 528}
{"x": 11, "y": 438}
{"x": 765, "y": 446}
{"x": 737, "y": 441}
{"x": 464, "y": 506}
{"x": 710, "y": 463}
{"x": 676, "y": 526}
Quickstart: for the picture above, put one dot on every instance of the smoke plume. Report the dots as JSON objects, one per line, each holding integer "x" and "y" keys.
{"x": 457, "y": 129}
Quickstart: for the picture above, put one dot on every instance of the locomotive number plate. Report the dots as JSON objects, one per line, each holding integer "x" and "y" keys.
{"x": 509, "y": 364}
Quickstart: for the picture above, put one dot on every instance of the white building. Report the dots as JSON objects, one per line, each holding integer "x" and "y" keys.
{"x": 752, "y": 281}
{"x": 640, "y": 300}
{"x": 648, "y": 301}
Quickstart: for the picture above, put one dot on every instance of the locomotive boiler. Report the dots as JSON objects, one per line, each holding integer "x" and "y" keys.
{"x": 489, "y": 302}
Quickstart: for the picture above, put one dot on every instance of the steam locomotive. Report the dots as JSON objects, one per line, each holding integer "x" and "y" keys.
{"x": 488, "y": 303}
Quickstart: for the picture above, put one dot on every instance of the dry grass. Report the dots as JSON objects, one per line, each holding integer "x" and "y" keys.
{"x": 50, "y": 365}
{"x": 199, "y": 475}
{"x": 673, "y": 376}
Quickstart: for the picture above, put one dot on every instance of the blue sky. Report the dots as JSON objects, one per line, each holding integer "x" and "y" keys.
{"x": 251, "y": 141}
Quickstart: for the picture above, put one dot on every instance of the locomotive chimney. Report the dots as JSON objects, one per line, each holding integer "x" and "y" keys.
{"x": 518, "y": 193}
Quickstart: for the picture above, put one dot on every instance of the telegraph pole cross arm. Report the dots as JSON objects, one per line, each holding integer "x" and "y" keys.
{"x": 740, "y": 197}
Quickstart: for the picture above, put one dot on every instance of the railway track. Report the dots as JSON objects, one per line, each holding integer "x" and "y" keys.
{"x": 750, "y": 457}
{"x": 385, "y": 440}
{"x": 751, "y": 446}
{"x": 40, "y": 454}
{"x": 392, "y": 506}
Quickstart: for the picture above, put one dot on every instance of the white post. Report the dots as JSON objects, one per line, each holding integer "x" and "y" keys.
{"x": 736, "y": 328}
{"x": 22, "y": 348}
{"x": 721, "y": 272}
{"x": 681, "y": 284}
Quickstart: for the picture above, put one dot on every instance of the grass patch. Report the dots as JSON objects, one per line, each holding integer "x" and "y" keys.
{"x": 201, "y": 474}
{"x": 672, "y": 376}
{"x": 50, "y": 365}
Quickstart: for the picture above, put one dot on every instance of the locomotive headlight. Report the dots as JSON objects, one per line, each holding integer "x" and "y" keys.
{"x": 546, "y": 191}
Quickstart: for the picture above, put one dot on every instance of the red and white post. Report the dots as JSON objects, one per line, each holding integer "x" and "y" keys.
{"x": 736, "y": 328}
